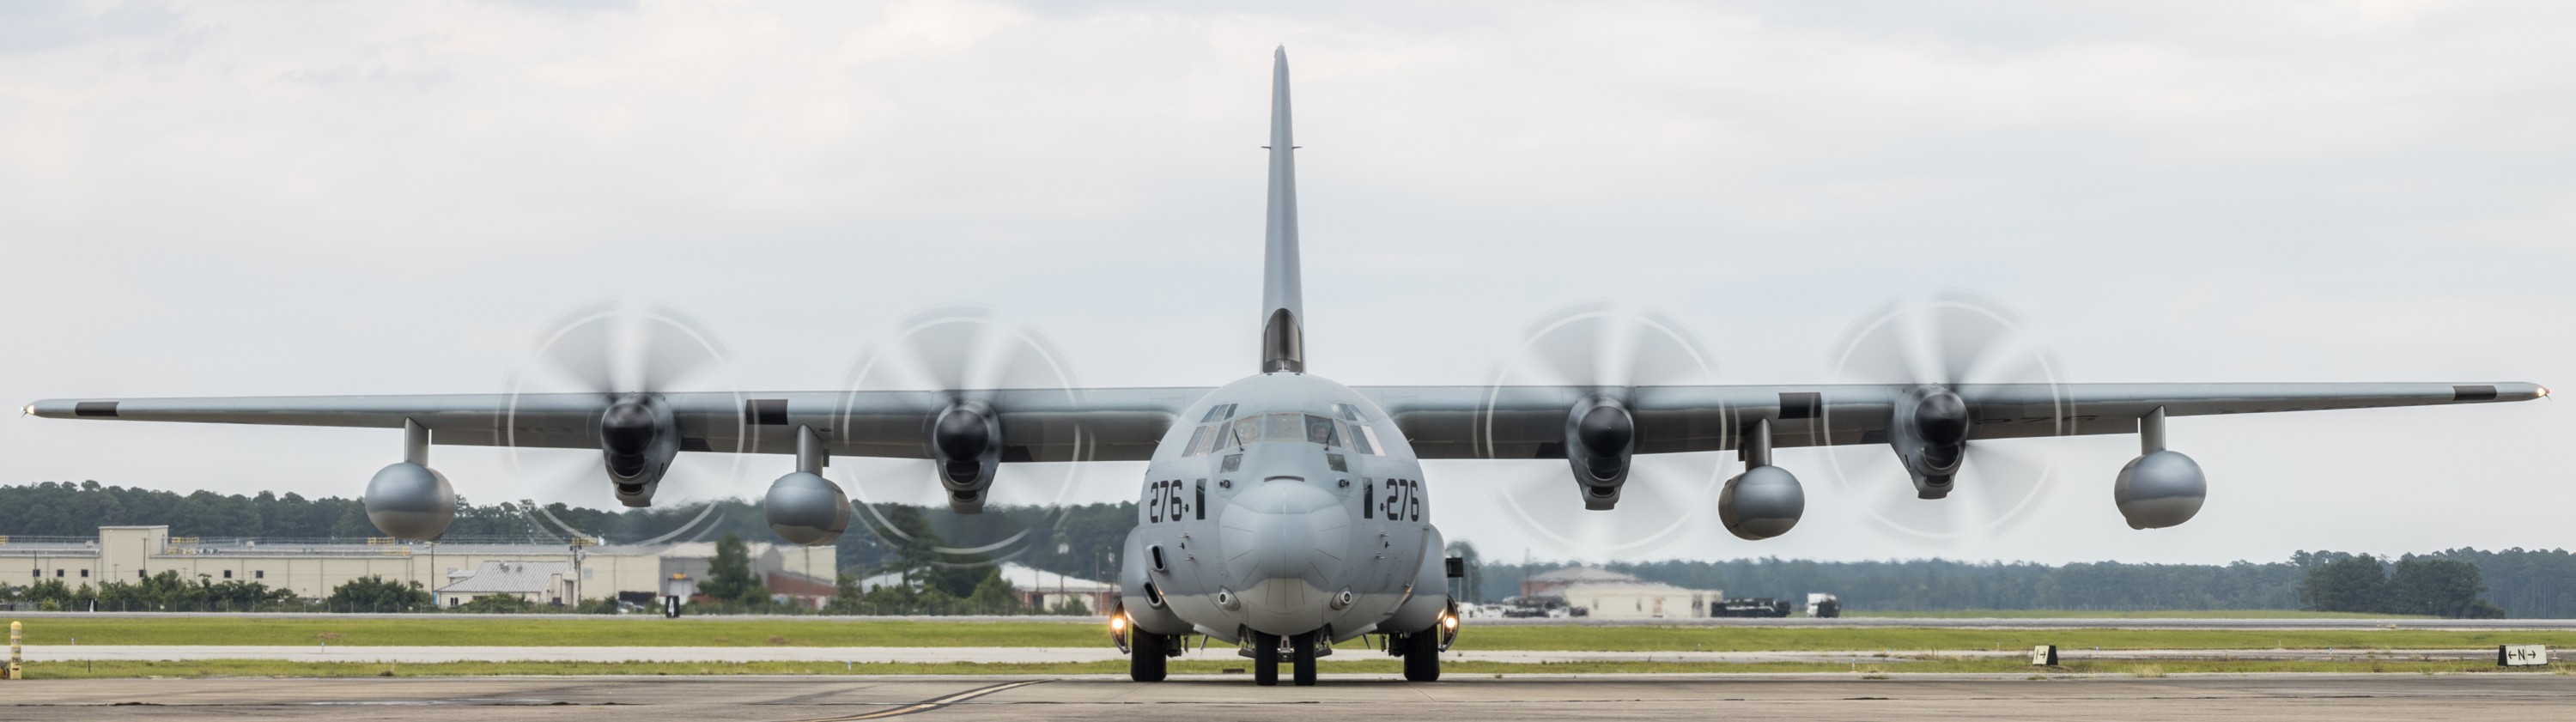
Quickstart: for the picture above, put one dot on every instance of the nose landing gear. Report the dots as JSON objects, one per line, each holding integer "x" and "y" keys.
{"x": 1299, "y": 650}
{"x": 1265, "y": 659}
{"x": 1301, "y": 655}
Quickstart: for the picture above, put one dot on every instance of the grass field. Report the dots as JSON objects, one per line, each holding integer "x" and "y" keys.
{"x": 1380, "y": 665}
{"x": 2081, "y": 614}
{"x": 757, "y": 632}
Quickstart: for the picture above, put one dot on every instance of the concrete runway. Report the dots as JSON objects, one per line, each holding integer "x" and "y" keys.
{"x": 1792, "y": 622}
{"x": 933, "y": 655}
{"x": 1232, "y": 697}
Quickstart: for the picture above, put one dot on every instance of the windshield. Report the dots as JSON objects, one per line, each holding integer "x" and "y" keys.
{"x": 1282, "y": 428}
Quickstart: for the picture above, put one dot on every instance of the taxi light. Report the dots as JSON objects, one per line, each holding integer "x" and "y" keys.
{"x": 1450, "y": 622}
{"x": 1117, "y": 624}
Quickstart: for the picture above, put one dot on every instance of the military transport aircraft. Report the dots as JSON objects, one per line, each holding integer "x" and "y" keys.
{"x": 1284, "y": 512}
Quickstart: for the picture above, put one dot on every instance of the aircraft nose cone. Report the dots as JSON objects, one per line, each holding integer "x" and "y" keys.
{"x": 1284, "y": 541}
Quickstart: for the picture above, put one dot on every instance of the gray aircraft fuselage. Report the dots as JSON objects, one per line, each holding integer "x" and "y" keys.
{"x": 1284, "y": 503}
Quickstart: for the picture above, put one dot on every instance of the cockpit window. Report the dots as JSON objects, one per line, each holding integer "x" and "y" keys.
{"x": 1319, "y": 430}
{"x": 1283, "y": 427}
{"x": 1217, "y": 412}
{"x": 1199, "y": 440}
{"x": 1347, "y": 412}
{"x": 1246, "y": 430}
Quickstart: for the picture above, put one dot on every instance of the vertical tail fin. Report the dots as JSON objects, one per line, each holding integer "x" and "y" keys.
{"x": 1283, "y": 336}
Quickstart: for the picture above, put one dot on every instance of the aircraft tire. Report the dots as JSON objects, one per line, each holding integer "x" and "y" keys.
{"x": 1303, "y": 657}
{"x": 1422, "y": 656}
{"x": 1265, "y": 659}
{"x": 1147, "y": 658}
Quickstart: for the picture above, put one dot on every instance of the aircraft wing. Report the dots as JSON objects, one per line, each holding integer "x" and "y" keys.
{"x": 1529, "y": 422}
{"x": 1038, "y": 425}
{"x": 1442, "y": 422}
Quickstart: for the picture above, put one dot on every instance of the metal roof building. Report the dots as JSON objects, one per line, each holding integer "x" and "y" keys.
{"x": 310, "y": 568}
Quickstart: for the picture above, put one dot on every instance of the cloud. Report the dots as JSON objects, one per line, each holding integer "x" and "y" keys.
{"x": 249, "y": 198}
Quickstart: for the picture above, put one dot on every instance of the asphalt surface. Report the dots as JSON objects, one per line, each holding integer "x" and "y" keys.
{"x": 1810, "y": 697}
{"x": 1104, "y": 653}
{"x": 1790, "y": 622}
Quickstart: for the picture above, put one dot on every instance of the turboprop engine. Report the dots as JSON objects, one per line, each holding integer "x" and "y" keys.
{"x": 966, "y": 441}
{"x": 1930, "y": 434}
{"x": 638, "y": 437}
{"x": 1600, "y": 435}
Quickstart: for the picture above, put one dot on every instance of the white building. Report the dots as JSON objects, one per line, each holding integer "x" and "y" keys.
{"x": 1615, "y": 595}
{"x": 1037, "y": 588}
{"x": 311, "y": 568}
{"x": 1640, "y": 600}
{"x": 536, "y": 582}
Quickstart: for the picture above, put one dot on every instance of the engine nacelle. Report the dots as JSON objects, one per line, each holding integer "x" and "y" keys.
{"x": 638, "y": 438}
{"x": 966, "y": 440}
{"x": 2159, "y": 490}
{"x": 1930, "y": 434}
{"x": 1600, "y": 435}
{"x": 1762, "y": 502}
{"x": 806, "y": 509}
{"x": 411, "y": 501}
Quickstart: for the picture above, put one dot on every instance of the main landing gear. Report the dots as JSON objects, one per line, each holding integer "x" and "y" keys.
{"x": 1148, "y": 656}
{"x": 1421, "y": 651}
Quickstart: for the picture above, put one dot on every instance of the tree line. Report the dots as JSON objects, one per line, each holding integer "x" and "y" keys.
{"x": 1079, "y": 541}
{"x": 1082, "y": 542}
{"x": 2455, "y": 583}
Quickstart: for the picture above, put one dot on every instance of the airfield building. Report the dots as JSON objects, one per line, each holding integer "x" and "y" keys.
{"x": 1606, "y": 594}
{"x": 455, "y": 572}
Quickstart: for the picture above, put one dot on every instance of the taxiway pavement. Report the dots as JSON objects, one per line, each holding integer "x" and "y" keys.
{"x": 1044, "y": 655}
{"x": 1233, "y": 697}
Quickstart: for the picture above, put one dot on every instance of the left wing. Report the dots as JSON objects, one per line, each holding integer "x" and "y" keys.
{"x": 1530, "y": 422}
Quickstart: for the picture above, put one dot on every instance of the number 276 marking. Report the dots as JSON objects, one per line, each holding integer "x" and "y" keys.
{"x": 1403, "y": 500}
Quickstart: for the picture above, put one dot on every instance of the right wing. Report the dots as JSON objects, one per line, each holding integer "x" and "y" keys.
{"x": 1038, "y": 425}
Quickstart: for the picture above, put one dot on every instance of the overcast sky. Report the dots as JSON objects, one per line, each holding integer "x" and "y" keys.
{"x": 248, "y": 198}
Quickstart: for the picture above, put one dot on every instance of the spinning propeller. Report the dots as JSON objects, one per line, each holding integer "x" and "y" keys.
{"x": 628, "y": 355}
{"x": 1651, "y": 500}
{"x": 965, "y": 357}
{"x": 1941, "y": 487}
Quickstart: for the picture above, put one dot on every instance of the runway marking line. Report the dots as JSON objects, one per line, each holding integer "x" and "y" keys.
{"x": 931, "y": 704}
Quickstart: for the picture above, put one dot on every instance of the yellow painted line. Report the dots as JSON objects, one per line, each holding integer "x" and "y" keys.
{"x": 925, "y": 706}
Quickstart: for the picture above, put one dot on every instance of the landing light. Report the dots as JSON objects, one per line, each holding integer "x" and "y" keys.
{"x": 1450, "y": 622}
{"x": 1117, "y": 624}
